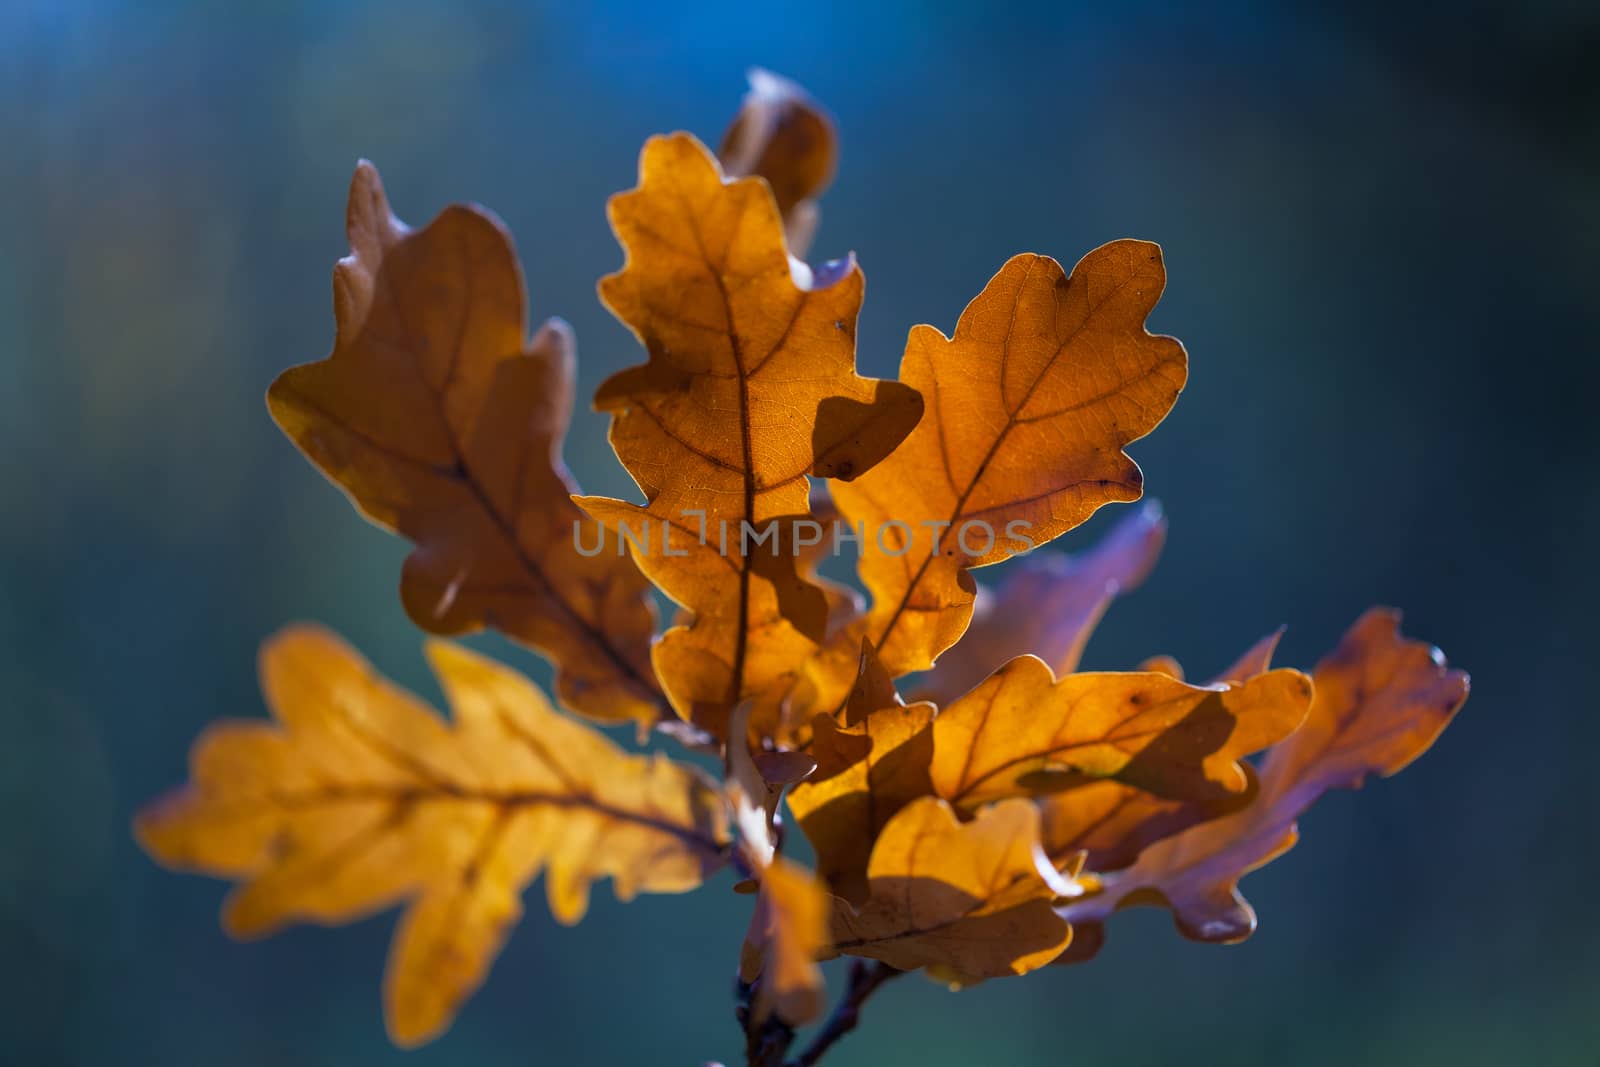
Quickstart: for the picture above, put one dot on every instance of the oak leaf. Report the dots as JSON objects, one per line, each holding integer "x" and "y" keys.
{"x": 788, "y": 934}
{"x": 1381, "y": 701}
{"x": 359, "y": 797}
{"x": 443, "y": 422}
{"x": 869, "y": 767}
{"x": 1048, "y": 605}
{"x": 1024, "y": 732}
{"x": 1110, "y": 823}
{"x": 782, "y": 135}
{"x": 972, "y": 900}
{"x": 749, "y": 389}
{"x": 1030, "y": 404}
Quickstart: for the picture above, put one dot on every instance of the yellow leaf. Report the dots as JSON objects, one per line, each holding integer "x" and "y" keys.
{"x": 868, "y": 769}
{"x": 971, "y": 899}
{"x": 1381, "y": 701}
{"x": 749, "y": 389}
{"x": 788, "y": 934}
{"x": 359, "y": 797}
{"x": 1030, "y": 403}
{"x": 1111, "y": 823}
{"x": 1023, "y": 732}
{"x": 444, "y": 423}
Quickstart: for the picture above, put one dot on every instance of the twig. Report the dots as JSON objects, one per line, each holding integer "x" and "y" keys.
{"x": 766, "y": 1038}
{"x": 864, "y": 981}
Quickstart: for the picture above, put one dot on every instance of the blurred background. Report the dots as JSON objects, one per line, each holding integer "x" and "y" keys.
{"x": 1381, "y": 228}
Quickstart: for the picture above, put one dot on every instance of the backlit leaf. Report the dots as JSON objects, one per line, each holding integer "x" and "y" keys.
{"x": 750, "y": 387}
{"x": 784, "y": 136}
{"x": 970, "y": 899}
{"x": 444, "y": 423}
{"x": 1381, "y": 701}
{"x": 1048, "y": 605}
{"x": 1024, "y": 732}
{"x": 868, "y": 769}
{"x": 359, "y": 797}
{"x": 788, "y": 934}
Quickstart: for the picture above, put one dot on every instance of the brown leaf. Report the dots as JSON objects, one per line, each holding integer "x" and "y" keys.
{"x": 1111, "y": 823}
{"x": 1030, "y": 404}
{"x": 968, "y": 899}
{"x": 784, "y": 136}
{"x": 867, "y": 771}
{"x": 444, "y": 423}
{"x": 1023, "y": 732}
{"x": 1049, "y": 605}
{"x": 750, "y": 388}
{"x": 1381, "y": 701}
{"x": 359, "y": 797}
{"x": 788, "y": 934}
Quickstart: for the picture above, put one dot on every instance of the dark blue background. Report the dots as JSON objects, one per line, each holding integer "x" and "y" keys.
{"x": 1380, "y": 226}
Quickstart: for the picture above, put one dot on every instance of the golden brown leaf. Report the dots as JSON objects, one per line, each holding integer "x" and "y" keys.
{"x": 750, "y": 388}
{"x": 1111, "y": 823}
{"x": 1030, "y": 404}
{"x": 868, "y": 769}
{"x": 1023, "y": 732}
{"x": 359, "y": 797}
{"x": 1381, "y": 701}
{"x": 444, "y": 423}
{"x": 1048, "y": 606}
{"x": 971, "y": 899}
{"x": 782, "y": 135}
{"x": 788, "y": 934}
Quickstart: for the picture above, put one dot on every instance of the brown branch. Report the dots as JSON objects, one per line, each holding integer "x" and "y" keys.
{"x": 864, "y": 981}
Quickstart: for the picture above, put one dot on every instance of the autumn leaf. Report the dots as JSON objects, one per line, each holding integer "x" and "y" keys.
{"x": 782, "y": 135}
{"x": 972, "y": 900}
{"x": 1024, "y": 732}
{"x": 1030, "y": 403}
{"x": 869, "y": 768}
{"x": 444, "y": 423}
{"x": 1111, "y": 823}
{"x": 359, "y": 797}
{"x": 1381, "y": 701}
{"x": 1048, "y": 606}
{"x": 749, "y": 389}
{"x": 788, "y": 934}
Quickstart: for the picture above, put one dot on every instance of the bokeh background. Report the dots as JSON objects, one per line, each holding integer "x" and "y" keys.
{"x": 1381, "y": 227}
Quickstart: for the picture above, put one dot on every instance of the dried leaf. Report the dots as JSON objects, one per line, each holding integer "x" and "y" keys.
{"x": 867, "y": 771}
{"x": 1023, "y": 732}
{"x": 359, "y": 797}
{"x": 788, "y": 934}
{"x": 1111, "y": 823}
{"x": 750, "y": 387}
{"x": 1049, "y": 605}
{"x": 971, "y": 899}
{"x": 443, "y": 423}
{"x": 1381, "y": 701}
{"x": 784, "y": 136}
{"x": 1030, "y": 404}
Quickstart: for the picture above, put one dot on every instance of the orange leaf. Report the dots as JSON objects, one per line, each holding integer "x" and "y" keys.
{"x": 749, "y": 389}
{"x": 784, "y": 136}
{"x": 972, "y": 900}
{"x": 444, "y": 423}
{"x": 788, "y": 933}
{"x": 1381, "y": 701}
{"x": 1111, "y": 823}
{"x": 1023, "y": 732}
{"x": 359, "y": 797}
{"x": 1049, "y": 605}
{"x": 867, "y": 771}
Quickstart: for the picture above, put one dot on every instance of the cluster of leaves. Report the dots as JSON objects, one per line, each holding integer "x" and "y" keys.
{"x": 988, "y": 827}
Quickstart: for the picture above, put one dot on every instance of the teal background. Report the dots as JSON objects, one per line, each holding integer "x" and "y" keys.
{"x": 1381, "y": 228}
